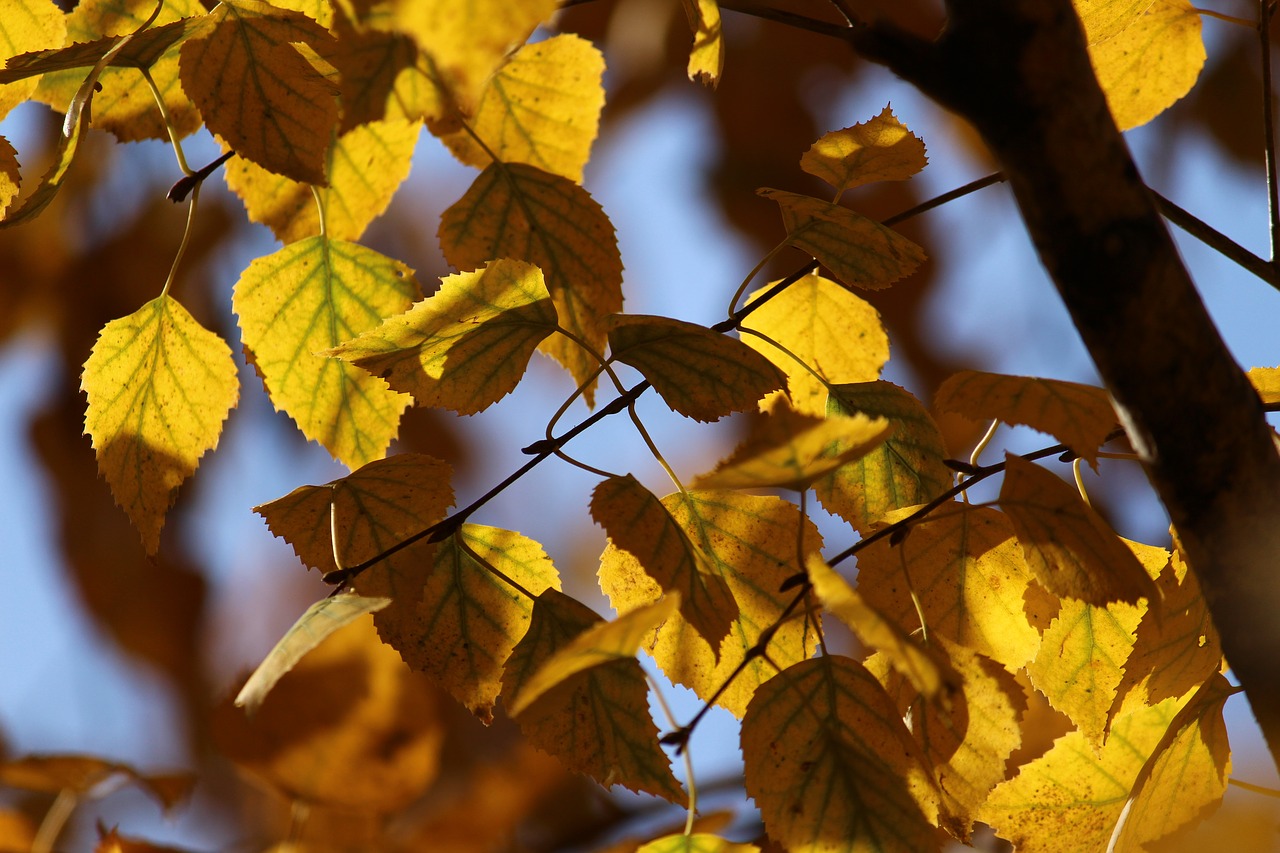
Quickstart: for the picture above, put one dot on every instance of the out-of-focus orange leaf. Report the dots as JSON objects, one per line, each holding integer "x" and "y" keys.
{"x": 699, "y": 842}
{"x": 881, "y": 149}
{"x": 17, "y": 831}
{"x": 706, "y": 59}
{"x": 111, "y": 841}
{"x": 82, "y": 773}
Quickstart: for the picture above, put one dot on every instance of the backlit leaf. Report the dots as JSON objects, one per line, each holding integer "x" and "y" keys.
{"x": 27, "y": 25}
{"x": 159, "y": 387}
{"x": 881, "y": 149}
{"x": 831, "y": 765}
{"x": 750, "y": 542}
{"x": 597, "y": 721}
{"x": 706, "y": 59}
{"x": 639, "y": 524}
{"x": 1266, "y": 381}
{"x": 141, "y": 50}
{"x": 542, "y": 108}
{"x": 836, "y": 333}
{"x": 306, "y": 298}
{"x": 381, "y": 75}
{"x": 973, "y": 584}
{"x": 697, "y": 843}
{"x": 518, "y": 211}
{"x": 258, "y": 91}
{"x": 1146, "y": 55}
{"x": 363, "y": 168}
{"x": 1080, "y": 416}
{"x": 465, "y": 346}
{"x": 10, "y": 176}
{"x": 34, "y": 202}
{"x": 905, "y": 470}
{"x": 1071, "y": 550}
{"x": 859, "y": 251}
{"x": 700, "y": 374}
{"x": 790, "y": 450}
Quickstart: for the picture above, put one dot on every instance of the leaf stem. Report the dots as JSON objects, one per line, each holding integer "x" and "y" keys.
{"x": 54, "y": 820}
{"x": 687, "y": 755}
{"x": 1257, "y": 789}
{"x": 1230, "y": 19}
{"x": 186, "y": 238}
{"x": 168, "y": 122}
{"x": 742, "y": 288}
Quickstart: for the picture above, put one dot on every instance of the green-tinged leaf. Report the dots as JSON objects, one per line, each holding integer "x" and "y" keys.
{"x": 1071, "y": 550}
{"x": 26, "y": 25}
{"x": 881, "y": 149}
{"x": 597, "y": 721}
{"x": 706, "y": 59}
{"x": 518, "y": 211}
{"x": 321, "y": 619}
{"x": 790, "y": 450}
{"x": 10, "y": 175}
{"x": 306, "y": 298}
{"x": 1080, "y": 416}
{"x": 602, "y": 643}
{"x": 837, "y": 334}
{"x": 831, "y": 765}
{"x": 159, "y": 386}
{"x": 258, "y": 91}
{"x": 639, "y": 524}
{"x": 905, "y": 470}
{"x": 700, "y": 374}
{"x": 542, "y": 108}
{"x": 363, "y": 169}
{"x": 52, "y": 774}
{"x": 750, "y": 542}
{"x": 699, "y": 842}
{"x": 973, "y": 585}
{"x": 859, "y": 251}
{"x": 466, "y": 346}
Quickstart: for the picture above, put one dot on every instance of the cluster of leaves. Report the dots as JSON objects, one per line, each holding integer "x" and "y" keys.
{"x": 965, "y": 609}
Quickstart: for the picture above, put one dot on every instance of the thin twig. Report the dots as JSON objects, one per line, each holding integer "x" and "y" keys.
{"x": 1219, "y": 242}
{"x": 791, "y": 19}
{"x": 1268, "y": 125}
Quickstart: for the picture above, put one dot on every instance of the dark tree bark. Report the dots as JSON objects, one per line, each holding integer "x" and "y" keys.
{"x": 1020, "y": 73}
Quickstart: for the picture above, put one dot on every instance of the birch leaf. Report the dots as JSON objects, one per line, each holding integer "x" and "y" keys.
{"x": 706, "y": 59}
{"x": 881, "y": 149}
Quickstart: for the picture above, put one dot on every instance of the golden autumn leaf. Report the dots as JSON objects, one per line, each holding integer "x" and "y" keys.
{"x": 30, "y": 204}
{"x": 1146, "y": 55}
{"x": 860, "y": 252}
{"x": 837, "y": 334}
{"x": 304, "y": 299}
{"x": 905, "y": 470}
{"x": 10, "y": 175}
{"x": 28, "y": 25}
{"x": 699, "y": 842}
{"x": 257, "y": 90}
{"x": 699, "y": 373}
{"x": 1266, "y": 381}
{"x": 159, "y": 387}
{"x": 832, "y": 766}
{"x": 1080, "y": 416}
{"x": 541, "y": 108}
{"x": 363, "y": 169}
{"x": 968, "y": 571}
{"x": 790, "y": 450}
{"x": 467, "y": 345}
{"x": 750, "y": 542}
{"x": 639, "y": 524}
{"x": 518, "y": 211}
{"x": 706, "y": 58}
{"x": 381, "y": 75}
{"x": 596, "y": 722}
{"x": 1070, "y": 549}
{"x": 881, "y": 149}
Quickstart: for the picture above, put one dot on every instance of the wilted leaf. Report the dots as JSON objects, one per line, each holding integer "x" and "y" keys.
{"x": 859, "y": 251}
{"x": 465, "y": 346}
{"x": 304, "y": 299}
{"x": 831, "y": 765}
{"x": 697, "y": 843}
{"x": 159, "y": 387}
{"x": 881, "y": 149}
{"x": 518, "y": 211}
{"x": 28, "y": 25}
{"x": 706, "y": 59}
{"x": 700, "y": 374}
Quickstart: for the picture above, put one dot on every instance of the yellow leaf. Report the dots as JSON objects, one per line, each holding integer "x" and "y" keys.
{"x": 159, "y": 387}
{"x": 33, "y": 203}
{"x": 706, "y": 59}
{"x": 27, "y": 25}
{"x": 699, "y": 842}
{"x": 639, "y": 524}
{"x": 1071, "y": 550}
{"x": 597, "y": 721}
{"x": 541, "y": 108}
{"x": 465, "y": 346}
{"x": 750, "y": 542}
{"x": 790, "y": 450}
{"x": 381, "y": 75}
{"x": 307, "y": 298}
{"x": 518, "y": 211}
{"x": 472, "y": 613}
{"x": 363, "y": 169}
{"x": 1266, "y": 381}
{"x": 905, "y": 470}
{"x": 881, "y": 149}
{"x": 831, "y": 765}
{"x": 837, "y": 334}
{"x": 699, "y": 373}
{"x": 602, "y": 643}
{"x": 859, "y": 251}
{"x": 258, "y": 91}
{"x": 974, "y": 587}
{"x": 1146, "y": 54}
{"x": 1080, "y": 416}
{"x": 321, "y": 619}
{"x": 1069, "y": 799}
{"x": 10, "y": 176}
